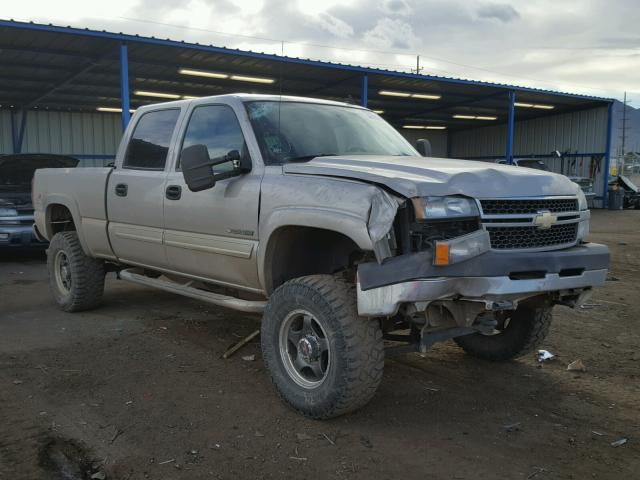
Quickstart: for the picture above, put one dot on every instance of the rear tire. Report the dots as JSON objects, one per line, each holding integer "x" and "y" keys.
{"x": 526, "y": 330}
{"x": 76, "y": 280}
{"x": 323, "y": 358}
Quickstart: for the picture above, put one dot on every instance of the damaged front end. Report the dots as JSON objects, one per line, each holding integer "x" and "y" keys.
{"x": 438, "y": 272}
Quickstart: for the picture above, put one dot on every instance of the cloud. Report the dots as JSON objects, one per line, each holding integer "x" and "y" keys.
{"x": 334, "y": 25}
{"x": 390, "y": 33}
{"x": 396, "y": 7}
{"x": 498, "y": 11}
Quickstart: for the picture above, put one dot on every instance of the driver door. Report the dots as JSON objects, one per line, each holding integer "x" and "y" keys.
{"x": 213, "y": 234}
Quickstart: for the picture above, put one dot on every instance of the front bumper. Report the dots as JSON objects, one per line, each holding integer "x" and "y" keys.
{"x": 19, "y": 236}
{"x": 492, "y": 276}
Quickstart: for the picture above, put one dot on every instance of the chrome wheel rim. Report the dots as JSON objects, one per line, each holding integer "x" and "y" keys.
{"x": 304, "y": 349}
{"x": 62, "y": 272}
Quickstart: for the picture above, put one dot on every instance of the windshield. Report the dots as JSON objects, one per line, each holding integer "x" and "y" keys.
{"x": 300, "y": 131}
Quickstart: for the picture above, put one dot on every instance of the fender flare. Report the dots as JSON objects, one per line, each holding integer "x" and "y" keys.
{"x": 348, "y": 224}
{"x": 72, "y": 206}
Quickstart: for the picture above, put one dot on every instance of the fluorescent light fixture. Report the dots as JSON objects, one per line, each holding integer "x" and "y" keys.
{"x": 534, "y": 105}
{"x": 379, "y": 112}
{"x": 426, "y": 96}
{"x": 146, "y": 93}
{"x": 113, "y": 109}
{"x": 245, "y": 78}
{"x": 424, "y": 127}
{"x": 202, "y": 73}
{"x": 189, "y": 97}
{"x": 391, "y": 93}
{"x": 475, "y": 117}
{"x": 422, "y": 96}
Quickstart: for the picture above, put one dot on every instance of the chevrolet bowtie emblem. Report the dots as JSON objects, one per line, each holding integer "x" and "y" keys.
{"x": 544, "y": 220}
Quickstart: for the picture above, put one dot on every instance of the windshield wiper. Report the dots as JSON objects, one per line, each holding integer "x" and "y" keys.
{"x": 306, "y": 158}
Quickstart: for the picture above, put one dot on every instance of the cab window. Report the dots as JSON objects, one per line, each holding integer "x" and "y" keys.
{"x": 149, "y": 144}
{"x": 217, "y": 127}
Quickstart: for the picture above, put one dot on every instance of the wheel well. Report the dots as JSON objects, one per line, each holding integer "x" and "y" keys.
{"x": 59, "y": 219}
{"x": 297, "y": 251}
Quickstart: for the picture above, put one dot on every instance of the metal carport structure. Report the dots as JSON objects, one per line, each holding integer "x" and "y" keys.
{"x": 60, "y": 87}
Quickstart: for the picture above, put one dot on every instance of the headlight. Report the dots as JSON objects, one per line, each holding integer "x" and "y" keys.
{"x": 582, "y": 201}
{"x": 433, "y": 208}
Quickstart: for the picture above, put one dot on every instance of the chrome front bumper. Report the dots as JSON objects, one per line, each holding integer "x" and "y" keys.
{"x": 386, "y": 300}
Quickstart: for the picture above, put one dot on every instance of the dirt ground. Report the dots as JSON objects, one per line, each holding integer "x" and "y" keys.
{"x": 137, "y": 389}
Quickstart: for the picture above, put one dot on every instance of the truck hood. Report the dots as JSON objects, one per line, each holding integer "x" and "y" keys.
{"x": 423, "y": 176}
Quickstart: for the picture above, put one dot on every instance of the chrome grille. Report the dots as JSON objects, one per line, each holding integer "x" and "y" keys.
{"x": 532, "y": 237}
{"x": 524, "y": 206}
{"x": 511, "y": 223}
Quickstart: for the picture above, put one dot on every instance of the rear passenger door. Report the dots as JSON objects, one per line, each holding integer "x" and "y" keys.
{"x": 136, "y": 194}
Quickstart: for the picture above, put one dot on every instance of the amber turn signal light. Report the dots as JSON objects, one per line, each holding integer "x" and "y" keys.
{"x": 442, "y": 254}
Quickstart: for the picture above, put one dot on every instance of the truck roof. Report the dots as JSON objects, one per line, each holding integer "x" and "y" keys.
{"x": 248, "y": 97}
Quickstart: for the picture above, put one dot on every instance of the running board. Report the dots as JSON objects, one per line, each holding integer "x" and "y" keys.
{"x": 251, "y": 306}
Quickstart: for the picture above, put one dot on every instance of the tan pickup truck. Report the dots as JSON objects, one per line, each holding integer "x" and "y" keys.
{"x": 320, "y": 216}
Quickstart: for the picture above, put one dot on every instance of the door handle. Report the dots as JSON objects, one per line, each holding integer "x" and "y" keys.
{"x": 121, "y": 189}
{"x": 173, "y": 192}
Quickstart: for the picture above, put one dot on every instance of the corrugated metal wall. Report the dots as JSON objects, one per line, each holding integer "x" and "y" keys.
{"x": 584, "y": 131}
{"x": 438, "y": 139}
{"x": 583, "y": 134}
{"x": 93, "y": 137}
{"x": 6, "y": 142}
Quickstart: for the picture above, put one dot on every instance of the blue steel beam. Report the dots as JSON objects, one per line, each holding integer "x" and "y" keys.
{"x": 292, "y": 60}
{"x": 510, "y": 126}
{"x": 607, "y": 157}
{"x": 124, "y": 85}
{"x": 364, "y": 93}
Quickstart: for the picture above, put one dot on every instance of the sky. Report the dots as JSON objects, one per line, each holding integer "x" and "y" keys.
{"x": 581, "y": 46}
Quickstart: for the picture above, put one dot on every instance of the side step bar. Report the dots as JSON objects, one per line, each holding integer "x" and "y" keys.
{"x": 251, "y": 306}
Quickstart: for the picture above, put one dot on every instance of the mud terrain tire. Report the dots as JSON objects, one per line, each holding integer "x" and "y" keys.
{"x": 310, "y": 313}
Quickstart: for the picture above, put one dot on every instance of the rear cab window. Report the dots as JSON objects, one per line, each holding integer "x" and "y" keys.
{"x": 149, "y": 143}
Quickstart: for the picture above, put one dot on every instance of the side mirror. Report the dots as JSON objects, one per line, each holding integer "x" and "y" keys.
{"x": 424, "y": 147}
{"x": 196, "y": 167}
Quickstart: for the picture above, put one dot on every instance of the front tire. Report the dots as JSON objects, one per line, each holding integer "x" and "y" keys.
{"x": 525, "y": 331}
{"x": 76, "y": 280}
{"x": 323, "y": 358}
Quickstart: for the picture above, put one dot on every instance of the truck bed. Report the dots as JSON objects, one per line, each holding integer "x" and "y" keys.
{"x": 82, "y": 191}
